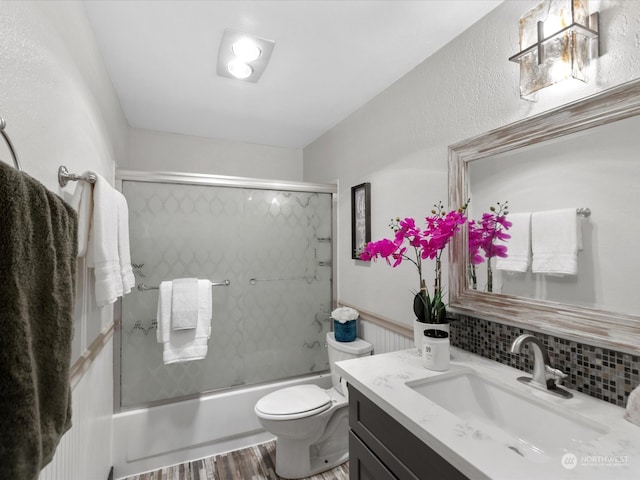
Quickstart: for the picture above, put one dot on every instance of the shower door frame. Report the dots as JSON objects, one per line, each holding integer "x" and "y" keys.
{"x": 187, "y": 178}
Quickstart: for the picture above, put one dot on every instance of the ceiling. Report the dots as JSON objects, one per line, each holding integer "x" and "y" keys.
{"x": 330, "y": 58}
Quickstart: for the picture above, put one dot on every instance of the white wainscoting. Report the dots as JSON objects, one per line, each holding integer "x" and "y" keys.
{"x": 386, "y": 335}
{"x": 85, "y": 451}
{"x": 383, "y": 339}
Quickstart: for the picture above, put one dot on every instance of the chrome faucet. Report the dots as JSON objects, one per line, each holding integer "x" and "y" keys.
{"x": 544, "y": 376}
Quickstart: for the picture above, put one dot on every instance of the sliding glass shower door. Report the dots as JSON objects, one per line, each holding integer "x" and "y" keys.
{"x": 273, "y": 247}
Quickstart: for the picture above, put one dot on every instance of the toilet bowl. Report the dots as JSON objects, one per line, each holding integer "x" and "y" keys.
{"x": 311, "y": 424}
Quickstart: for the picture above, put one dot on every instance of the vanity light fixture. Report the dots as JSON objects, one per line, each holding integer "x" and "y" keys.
{"x": 557, "y": 40}
{"x": 242, "y": 56}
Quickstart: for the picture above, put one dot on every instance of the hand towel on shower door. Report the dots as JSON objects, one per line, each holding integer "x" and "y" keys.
{"x": 184, "y": 345}
{"x": 184, "y": 304}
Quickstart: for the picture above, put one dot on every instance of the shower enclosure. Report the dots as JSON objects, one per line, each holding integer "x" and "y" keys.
{"x": 268, "y": 248}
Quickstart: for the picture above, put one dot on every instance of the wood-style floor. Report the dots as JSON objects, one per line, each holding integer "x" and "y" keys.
{"x": 253, "y": 463}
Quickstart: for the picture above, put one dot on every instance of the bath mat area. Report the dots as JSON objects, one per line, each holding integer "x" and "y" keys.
{"x": 252, "y": 463}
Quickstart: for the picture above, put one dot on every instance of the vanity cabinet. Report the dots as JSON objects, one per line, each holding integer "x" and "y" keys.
{"x": 380, "y": 448}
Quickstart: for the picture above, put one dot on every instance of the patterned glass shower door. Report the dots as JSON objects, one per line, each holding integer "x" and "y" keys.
{"x": 275, "y": 249}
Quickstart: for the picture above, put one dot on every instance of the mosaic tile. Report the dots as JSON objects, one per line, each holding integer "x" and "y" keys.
{"x": 601, "y": 373}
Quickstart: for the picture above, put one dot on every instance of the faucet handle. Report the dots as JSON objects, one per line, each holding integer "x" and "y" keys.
{"x": 555, "y": 374}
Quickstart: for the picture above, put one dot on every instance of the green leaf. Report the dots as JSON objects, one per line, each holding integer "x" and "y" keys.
{"x": 419, "y": 306}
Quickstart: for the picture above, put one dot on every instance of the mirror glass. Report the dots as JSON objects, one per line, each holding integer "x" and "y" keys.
{"x": 596, "y": 169}
{"x": 583, "y": 155}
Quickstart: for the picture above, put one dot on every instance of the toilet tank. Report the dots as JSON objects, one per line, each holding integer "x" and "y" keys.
{"x": 344, "y": 351}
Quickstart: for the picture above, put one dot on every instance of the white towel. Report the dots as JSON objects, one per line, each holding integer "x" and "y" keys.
{"x": 124, "y": 252}
{"x": 163, "y": 316}
{"x": 555, "y": 240}
{"x": 184, "y": 304}
{"x": 632, "y": 413}
{"x": 102, "y": 248}
{"x": 518, "y": 246}
{"x": 184, "y": 345}
{"x": 82, "y": 202}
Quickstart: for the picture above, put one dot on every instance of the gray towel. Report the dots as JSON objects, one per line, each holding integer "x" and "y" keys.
{"x": 38, "y": 248}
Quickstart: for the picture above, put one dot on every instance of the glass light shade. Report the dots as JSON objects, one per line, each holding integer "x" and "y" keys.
{"x": 246, "y": 50}
{"x": 243, "y": 56}
{"x": 561, "y": 52}
{"x": 239, "y": 69}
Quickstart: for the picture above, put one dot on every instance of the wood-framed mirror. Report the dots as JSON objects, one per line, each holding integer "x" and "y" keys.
{"x": 594, "y": 325}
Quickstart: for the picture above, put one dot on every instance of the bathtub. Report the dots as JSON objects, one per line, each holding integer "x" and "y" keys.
{"x": 150, "y": 438}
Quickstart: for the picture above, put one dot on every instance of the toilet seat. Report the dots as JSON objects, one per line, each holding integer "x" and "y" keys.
{"x": 293, "y": 402}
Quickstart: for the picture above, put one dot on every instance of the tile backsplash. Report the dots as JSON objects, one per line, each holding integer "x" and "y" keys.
{"x": 601, "y": 373}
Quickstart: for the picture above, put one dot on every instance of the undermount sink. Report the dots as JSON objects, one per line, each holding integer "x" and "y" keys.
{"x": 529, "y": 427}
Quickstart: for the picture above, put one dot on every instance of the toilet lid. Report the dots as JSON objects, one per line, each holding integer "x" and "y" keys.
{"x": 301, "y": 400}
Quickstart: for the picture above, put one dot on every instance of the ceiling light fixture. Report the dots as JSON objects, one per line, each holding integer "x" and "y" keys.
{"x": 239, "y": 69}
{"x": 557, "y": 40}
{"x": 242, "y": 56}
{"x": 246, "y": 50}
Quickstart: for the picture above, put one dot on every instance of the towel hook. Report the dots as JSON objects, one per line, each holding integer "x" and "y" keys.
{"x": 65, "y": 177}
{"x": 16, "y": 162}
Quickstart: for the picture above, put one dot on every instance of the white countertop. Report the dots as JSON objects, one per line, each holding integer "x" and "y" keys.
{"x": 469, "y": 447}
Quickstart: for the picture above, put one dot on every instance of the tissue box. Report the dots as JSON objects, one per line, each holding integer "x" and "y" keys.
{"x": 345, "y": 332}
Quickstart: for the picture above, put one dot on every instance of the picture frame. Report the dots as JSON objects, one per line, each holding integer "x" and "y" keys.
{"x": 360, "y": 218}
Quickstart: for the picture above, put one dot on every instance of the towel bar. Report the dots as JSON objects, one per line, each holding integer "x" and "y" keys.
{"x": 65, "y": 177}
{"x": 16, "y": 162}
{"x": 142, "y": 287}
{"x": 583, "y": 212}
{"x": 308, "y": 279}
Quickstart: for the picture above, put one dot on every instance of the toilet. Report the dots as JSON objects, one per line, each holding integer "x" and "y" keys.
{"x": 311, "y": 424}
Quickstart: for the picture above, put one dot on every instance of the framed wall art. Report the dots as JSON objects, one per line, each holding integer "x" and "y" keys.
{"x": 360, "y": 218}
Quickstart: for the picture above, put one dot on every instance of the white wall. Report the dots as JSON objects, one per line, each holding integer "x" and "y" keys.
{"x": 61, "y": 108}
{"x": 158, "y": 151}
{"x": 398, "y": 141}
